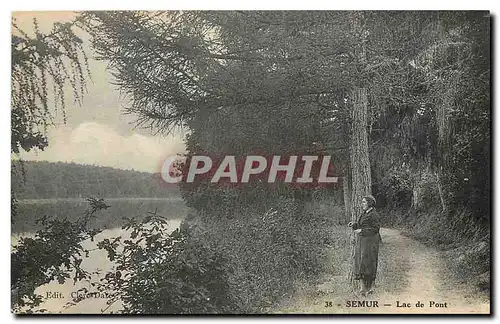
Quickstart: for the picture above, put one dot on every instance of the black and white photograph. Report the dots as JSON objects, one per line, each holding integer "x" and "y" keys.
{"x": 252, "y": 162}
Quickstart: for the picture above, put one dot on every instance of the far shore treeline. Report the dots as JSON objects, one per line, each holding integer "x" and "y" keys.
{"x": 42, "y": 180}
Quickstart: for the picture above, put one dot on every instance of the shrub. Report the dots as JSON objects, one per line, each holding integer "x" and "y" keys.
{"x": 54, "y": 253}
{"x": 270, "y": 251}
{"x": 161, "y": 273}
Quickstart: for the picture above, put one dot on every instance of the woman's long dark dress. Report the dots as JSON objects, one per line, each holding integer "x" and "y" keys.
{"x": 367, "y": 244}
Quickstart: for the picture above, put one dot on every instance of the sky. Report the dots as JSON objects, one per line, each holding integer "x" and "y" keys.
{"x": 98, "y": 132}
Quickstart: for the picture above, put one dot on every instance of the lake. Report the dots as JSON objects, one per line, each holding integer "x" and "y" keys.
{"x": 29, "y": 210}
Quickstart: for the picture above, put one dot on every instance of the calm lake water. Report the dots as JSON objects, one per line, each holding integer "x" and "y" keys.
{"x": 29, "y": 210}
{"x": 172, "y": 208}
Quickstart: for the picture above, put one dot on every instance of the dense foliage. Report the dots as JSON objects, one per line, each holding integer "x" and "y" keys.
{"x": 54, "y": 253}
{"x": 43, "y": 66}
{"x": 158, "y": 271}
{"x": 432, "y": 138}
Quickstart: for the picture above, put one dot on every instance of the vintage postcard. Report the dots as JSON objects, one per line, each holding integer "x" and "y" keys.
{"x": 251, "y": 162}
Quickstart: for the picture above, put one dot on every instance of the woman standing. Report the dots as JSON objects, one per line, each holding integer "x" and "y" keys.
{"x": 367, "y": 234}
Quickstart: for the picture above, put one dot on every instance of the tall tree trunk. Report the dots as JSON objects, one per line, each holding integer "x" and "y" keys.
{"x": 347, "y": 196}
{"x": 346, "y": 184}
{"x": 359, "y": 156}
{"x": 346, "y": 188}
{"x": 360, "y": 162}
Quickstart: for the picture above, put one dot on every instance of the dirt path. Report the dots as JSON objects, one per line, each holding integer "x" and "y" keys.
{"x": 409, "y": 272}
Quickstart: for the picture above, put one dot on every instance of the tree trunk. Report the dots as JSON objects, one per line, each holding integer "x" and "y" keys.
{"x": 360, "y": 161}
{"x": 358, "y": 148}
{"x": 347, "y": 197}
{"x": 346, "y": 183}
{"x": 360, "y": 174}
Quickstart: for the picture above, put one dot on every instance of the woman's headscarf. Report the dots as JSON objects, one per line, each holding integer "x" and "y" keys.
{"x": 370, "y": 200}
